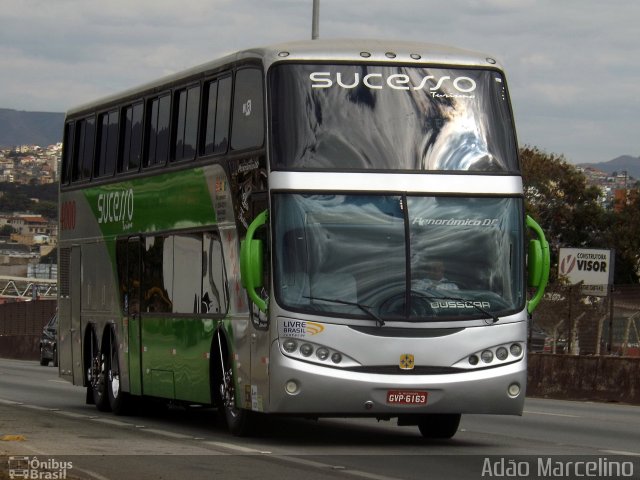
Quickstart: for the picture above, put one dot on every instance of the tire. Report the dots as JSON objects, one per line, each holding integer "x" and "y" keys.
{"x": 119, "y": 401}
{"x": 240, "y": 422}
{"x": 443, "y": 425}
{"x": 96, "y": 377}
{"x": 43, "y": 361}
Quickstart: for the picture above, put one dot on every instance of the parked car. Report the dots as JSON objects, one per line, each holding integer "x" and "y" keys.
{"x": 48, "y": 342}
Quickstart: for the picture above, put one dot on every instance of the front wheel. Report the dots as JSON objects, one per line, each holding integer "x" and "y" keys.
{"x": 442, "y": 425}
{"x": 239, "y": 421}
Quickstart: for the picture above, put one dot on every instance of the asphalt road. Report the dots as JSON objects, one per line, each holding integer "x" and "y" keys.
{"x": 45, "y": 423}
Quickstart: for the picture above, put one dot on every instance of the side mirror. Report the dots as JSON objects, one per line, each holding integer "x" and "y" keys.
{"x": 538, "y": 264}
{"x": 251, "y": 261}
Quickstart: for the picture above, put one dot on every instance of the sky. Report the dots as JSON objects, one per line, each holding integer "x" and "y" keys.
{"x": 573, "y": 66}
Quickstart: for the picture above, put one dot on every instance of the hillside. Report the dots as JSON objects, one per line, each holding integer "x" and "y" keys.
{"x": 30, "y": 128}
{"x": 618, "y": 164}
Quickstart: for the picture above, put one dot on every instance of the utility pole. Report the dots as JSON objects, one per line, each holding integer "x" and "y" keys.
{"x": 315, "y": 22}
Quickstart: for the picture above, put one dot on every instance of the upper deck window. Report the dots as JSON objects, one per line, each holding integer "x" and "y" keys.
{"x": 84, "y": 149}
{"x": 364, "y": 117}
{"x": 158, "y": 131}
{"x": 215, "y": 137}
{"x": 187, "y": 103}
{"x": 107, "y": 144}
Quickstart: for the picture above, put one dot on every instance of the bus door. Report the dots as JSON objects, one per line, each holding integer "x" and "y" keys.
{"x": 260, "y": 344}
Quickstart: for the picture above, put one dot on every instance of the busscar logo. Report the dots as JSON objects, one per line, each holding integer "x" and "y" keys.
{"x": 455, "y": 86}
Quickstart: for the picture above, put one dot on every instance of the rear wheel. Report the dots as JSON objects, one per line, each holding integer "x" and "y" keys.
{"x": 119, "y": 401}
{"x": 442, "y": 425}
{"x": 96, "y": 377}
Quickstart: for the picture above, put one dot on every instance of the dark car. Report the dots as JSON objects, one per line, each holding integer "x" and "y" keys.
{"x": 48, "y": 342}
{"x": 538, "y": 339}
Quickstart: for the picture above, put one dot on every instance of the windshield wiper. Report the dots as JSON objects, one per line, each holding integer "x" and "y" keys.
{"x": 366, "y": 309}
{"x": 437, "y": 296}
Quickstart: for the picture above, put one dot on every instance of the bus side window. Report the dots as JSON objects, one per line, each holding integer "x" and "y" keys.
{"x": 83, "y": 151}
{"x": 107, "y": 144}
{"x": 185, "y": 124}
{"x": 131, "y": 144}
{"x": 158, "y": 117}
{"x": 215, "y": 120}
{"x": 67, "y": 154}
{"x": 215, "y": 298}
{"x": 247, "y": 130}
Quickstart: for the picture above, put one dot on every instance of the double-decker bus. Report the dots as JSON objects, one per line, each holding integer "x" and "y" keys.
{"x": 319, "y": 228}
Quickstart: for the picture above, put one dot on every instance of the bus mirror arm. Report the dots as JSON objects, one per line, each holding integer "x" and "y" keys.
{"x": 538, "y": 264}
{"x": 251, "y": 261}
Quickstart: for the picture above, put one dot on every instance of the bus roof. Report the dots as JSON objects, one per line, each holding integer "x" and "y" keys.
{"x": 321, "y": 50}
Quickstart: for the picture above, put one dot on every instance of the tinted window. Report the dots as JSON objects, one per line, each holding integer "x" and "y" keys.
{"x": 158, "y": 131}
{"x": 108, "y": 148}
{"x": 67, "y": 155}
{"x": 132, "y": 137}
{"x": 186, "y": 125}
{"x": 248, "y": 115}
{"x": 183, "y": 273}
{"x": 215, "y": 136}
{"x": 83, "y": 153}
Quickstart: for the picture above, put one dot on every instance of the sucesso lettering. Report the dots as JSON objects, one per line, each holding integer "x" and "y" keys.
{"x": 396, "y": 81}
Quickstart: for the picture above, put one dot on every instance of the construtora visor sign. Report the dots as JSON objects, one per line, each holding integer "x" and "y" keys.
{"x": 590, "y": 266}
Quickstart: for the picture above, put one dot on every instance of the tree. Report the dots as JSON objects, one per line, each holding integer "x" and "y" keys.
{"x": 625, "y": 237}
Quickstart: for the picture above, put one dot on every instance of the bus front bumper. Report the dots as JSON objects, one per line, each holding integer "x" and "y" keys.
{"x": 299, "y": 387}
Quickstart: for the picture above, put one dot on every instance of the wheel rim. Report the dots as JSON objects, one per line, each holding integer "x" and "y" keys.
{"x": 114, "y": 381}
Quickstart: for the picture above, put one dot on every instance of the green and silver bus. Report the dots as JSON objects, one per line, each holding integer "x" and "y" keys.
{"x": 319, "y": 228}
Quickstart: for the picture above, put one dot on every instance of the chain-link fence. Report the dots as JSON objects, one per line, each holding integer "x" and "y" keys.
{"x": 571, "y": 320}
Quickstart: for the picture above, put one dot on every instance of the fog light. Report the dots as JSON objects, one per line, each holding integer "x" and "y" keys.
{"x": 473, "y": 360}
{"x": 290, "y": 345}
{"x": 322, "y": 353}
{"x": 487, "y": 356}
{"x": 513, "y": 390}
{"x": 306, "y": 349}
{"x": 516, "y": 349}
{"x": 291, "y": 387}
{"x": 502, "y": 353}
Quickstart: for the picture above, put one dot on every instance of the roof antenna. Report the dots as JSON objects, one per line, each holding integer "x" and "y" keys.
{"x": 315, "y": 23}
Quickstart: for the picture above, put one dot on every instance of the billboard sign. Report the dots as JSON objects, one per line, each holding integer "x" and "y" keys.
{"x": 592, "y": 267}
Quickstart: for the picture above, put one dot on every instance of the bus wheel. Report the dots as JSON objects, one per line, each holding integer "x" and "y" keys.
{"x": 96, "y": 377}
{"x": 439, "y": 425}
{"x": 239, "y": 421}
{"x": 118, "y": 400}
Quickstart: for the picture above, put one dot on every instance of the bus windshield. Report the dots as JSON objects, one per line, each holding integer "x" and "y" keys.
{"x": 397, "y": 257}
{"x": 367, "y": 117}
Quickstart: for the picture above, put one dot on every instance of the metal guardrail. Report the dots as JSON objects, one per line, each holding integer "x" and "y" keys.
{"x": 24, "y": 288}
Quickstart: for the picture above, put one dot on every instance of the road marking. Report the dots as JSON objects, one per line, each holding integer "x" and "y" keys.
{"x": 9, "y": 402}
{"x": 551, "y": 414}
{"x": 237, "y": 448}
{"x": 109, "y": 421}
{"x": 621, "y": 452}
{"x": 36, "y": 407}
{"x": 166, "y": 433}
{"x": 325, "y": 466}
{"x": 71, "y": 414}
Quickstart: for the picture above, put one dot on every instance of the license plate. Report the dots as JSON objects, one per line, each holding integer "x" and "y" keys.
{"x": 406, "y": 397}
